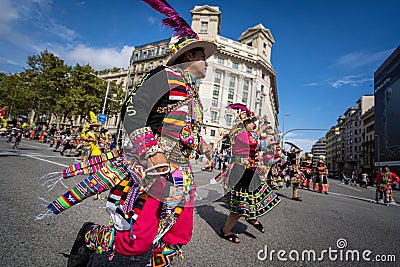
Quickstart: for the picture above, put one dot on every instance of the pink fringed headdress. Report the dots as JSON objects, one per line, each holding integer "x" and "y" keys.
{"x": 244, "y": 113}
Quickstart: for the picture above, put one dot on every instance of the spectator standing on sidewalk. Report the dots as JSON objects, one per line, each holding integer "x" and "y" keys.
{"x": 215, "y": 157}
{"x": 342, "y": 177}
{"x": 220, "y": 160}
{"x": 353, "y": 178}
{"x": 364, "y": 180}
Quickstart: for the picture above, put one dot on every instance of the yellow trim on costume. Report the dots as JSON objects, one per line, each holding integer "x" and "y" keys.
{"x": 174, "y": 121}
{"x": 178, "y": 82}
{"x": 95, "y": 150}
{"x": 4, "y": 122}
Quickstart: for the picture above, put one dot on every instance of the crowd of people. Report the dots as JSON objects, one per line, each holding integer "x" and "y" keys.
{"x": 298, "y": 172}
{"x": 74, "y": 141}
{"x": 14, "y": 132}
{"x": 281, "y": 167}
{"x": 385, "y": 181}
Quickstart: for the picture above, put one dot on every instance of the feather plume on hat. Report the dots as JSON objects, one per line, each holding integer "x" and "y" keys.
{"x": 173, "y": 19}
{"x": 188, "y": 39}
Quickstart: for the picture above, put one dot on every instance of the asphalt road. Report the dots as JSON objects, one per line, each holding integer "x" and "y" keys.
{"x": 336, "y": 227}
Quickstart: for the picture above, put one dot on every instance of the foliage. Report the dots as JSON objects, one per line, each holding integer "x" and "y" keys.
{"x": 105, "y": 71}
{"x": 15, "y": 94}
{"x": 49, "y": 86}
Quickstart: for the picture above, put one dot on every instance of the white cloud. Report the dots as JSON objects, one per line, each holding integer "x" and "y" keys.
{"x": 44, "y": 4}
{"x": 44, "y": 25}
{"x": 98, "y": 58}
{"x": 151, "y": 19}
{"x": 359, "y": 59}
{"x": 8, "y": 61}
{"x": 46, "y": 32}
{"x": 32, "y": 28}
{"x": 12, "y": 62}
{"x": 351, "y": 80}
{"x": 8, "y": 13}
{"x": 368, "y": 61}
{"x": 313, "y": 84}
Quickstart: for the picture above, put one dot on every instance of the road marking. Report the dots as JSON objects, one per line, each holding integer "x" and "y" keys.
{"x": 350, "y": 187}
{"x": 49, "y": 161}
{"x": 45, "y": 156}
{"x": 359, "y": 198}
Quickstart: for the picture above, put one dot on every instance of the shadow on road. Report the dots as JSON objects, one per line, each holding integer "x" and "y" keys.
{"x": 216, "y": 220}
{"x": 9, "y": 155}
{"x": 102, "y": 260}
{"x": 25, "y": 149}
{"x": 283, "y": 196}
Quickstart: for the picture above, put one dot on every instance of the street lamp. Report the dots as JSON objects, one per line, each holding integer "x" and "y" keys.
{"x": 128, "y": 83}
{"x": 107, "y": 91}
{"x": 105, "y": 98}
{"x": 283, "y": 125}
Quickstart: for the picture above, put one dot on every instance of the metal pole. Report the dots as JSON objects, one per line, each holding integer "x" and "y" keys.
{"x": 105, "y": 98}
{"x": 301, "y": 129}
{"x": 12, "y": 104}
{"x": 283, "y": 127}
{"x": 120, "y": 126}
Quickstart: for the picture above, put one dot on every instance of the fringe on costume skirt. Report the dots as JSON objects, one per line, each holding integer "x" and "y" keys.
{"x": 247, "y": 194}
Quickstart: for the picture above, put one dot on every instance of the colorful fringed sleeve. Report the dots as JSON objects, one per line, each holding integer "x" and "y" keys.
{"x": 105, "y": 173}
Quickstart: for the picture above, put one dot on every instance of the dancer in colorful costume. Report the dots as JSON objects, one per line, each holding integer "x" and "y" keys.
{"x": 274, "y": 177}
{"x": 91, "y": 137}
{"x": 151, "y": 201}
{"x": 247, "y": 194}
{"x": 293, "y": 156}
{"x": 3, "y": 121}
{"x": 307, "y": 170}
{"x": 296, "y": 179}
{"x": 384, "y": 181}
{"x": 321, "y": 179}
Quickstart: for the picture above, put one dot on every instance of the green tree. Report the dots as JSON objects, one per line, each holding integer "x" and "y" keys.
{"x": 50, "y": 87}
{"x": 15, "y": 94}
{"x": 87, "y": 91}
{"x": 47, "y": 77}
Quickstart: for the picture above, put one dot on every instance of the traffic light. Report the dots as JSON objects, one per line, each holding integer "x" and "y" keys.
{"x": 337, "y": 130}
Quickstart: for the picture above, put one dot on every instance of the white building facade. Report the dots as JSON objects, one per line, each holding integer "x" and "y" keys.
{"x": 239, "y": 72}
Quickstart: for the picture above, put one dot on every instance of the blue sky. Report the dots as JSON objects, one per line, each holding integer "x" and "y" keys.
{"x": 325, "y": 52}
